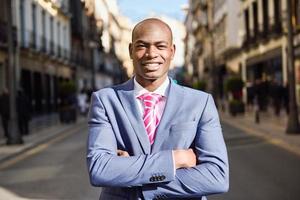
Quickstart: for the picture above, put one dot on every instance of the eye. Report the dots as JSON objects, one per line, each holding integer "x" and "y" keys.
{"x": 161, "y": 47}
{"x": 140, "y": 46}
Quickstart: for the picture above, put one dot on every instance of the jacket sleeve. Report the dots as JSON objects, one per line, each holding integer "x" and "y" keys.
{"x": 106, "y": 168}
{"x": 211, "y": 175}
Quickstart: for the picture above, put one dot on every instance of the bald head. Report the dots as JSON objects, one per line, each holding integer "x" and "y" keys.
{"x": 151, "y": 22}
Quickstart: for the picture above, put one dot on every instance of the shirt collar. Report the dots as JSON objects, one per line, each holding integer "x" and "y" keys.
{"x": 161, "y": 90}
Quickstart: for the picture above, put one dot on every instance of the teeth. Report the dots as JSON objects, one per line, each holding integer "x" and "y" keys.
{"x": 152, "y": 64}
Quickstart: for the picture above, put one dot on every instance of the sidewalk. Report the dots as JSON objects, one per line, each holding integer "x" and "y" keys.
{"x": 271, "y": 128}
{"x": 42, "y": 130}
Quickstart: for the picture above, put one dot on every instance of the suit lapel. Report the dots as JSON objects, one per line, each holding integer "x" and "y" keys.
{"x": 173, "y": 103}
{"x": 127, "y": 98}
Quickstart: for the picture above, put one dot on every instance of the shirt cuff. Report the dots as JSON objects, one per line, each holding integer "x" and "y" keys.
{"x": 174, "y": 167}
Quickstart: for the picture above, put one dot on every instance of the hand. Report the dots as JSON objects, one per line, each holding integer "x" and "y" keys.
{"x": 184, "y": 158}
{"x": 122, "y": 153}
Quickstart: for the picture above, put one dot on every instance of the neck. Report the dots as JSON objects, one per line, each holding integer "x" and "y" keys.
{"x": 150, "y": 85}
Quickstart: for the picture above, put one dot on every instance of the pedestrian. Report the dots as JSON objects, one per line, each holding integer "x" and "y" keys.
{"x": 82, "y": 100}
{"x": 286, "y": 97}
{"x": 276, "y": 93}
{"x": 4, "y": 110}
{"x": 23, "y": 106}
{"x": 250, "y": 95}
{"x": 150, "y": 138}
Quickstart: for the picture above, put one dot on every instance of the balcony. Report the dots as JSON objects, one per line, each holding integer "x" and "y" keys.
{"x": 276, "y": 29}
{"x": 43, "y": 44}
{"x": 3, "y": 34}
{"x": 32, "y": 42}
{"x": 66, "y": 54}
{"x": 59, "y": 51}
{"x": 52, "y": 48}
{"x": 246, "y": 41}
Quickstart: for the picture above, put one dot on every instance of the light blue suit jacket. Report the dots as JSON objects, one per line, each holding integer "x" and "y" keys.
{"x": 190, "y": 120}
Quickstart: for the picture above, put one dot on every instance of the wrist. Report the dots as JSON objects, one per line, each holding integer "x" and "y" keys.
{"x": 177, "y": 159}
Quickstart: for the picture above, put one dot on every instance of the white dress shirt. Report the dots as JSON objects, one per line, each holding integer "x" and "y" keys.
{"x": 161, "y": 90}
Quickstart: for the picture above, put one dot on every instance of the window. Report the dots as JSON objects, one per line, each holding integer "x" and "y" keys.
{"x": 255, "y": 19}
{"x": 277, "y": 20}
{"x": 247, "y": 28}
{"x": 58, "y": 39}
{"x": 33, "y": 15}
{"x": 297, "y": 13}
{"x": 3, "y": 13}
{"x": 65, "y": 40}
{"x": 51, "y": 36}
{"x": 44, "y": 30}
{"x": 22, "y": 21}
{"x": 265, "y": 9}
{"x": 2, "y": 76}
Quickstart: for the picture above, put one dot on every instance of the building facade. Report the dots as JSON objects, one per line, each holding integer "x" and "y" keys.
{"x": 212, "y": 38}
{"x": 43, "y": 50}
{"x": 247, "y": 38}
{"x": 86, "y": 46}
{"x": 111, "y": 65}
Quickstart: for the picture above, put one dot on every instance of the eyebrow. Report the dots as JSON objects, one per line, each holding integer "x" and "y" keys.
{"x": 158, "y": 42}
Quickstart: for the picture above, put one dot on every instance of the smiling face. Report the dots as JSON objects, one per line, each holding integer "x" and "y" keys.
{"x": 151, "y": 52}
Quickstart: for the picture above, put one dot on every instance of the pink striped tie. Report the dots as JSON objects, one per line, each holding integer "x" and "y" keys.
{"x": 150, "y": 118}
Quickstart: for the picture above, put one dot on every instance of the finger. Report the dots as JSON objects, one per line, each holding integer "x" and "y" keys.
{"x": 125, "y": 153}
{"x": 119, "y": 152}
{"x": 122, "y": 153}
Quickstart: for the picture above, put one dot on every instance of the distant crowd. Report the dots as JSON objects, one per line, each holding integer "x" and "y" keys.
{"x": 265, "y": 93}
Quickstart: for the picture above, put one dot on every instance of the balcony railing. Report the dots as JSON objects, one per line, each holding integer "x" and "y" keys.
{"x": 27, "y": 39}
{"x": 59, "y": 53}
{"x": 33, "y": 44}
{"x": 276, "y": 28}
{"x": 3, "y": 34}
{"x": 43, "y": 44}
{"x": 52, "y": 48}
{"x": 66, "y": 54}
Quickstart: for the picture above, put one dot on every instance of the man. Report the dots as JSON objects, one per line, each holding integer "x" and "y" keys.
{"x": 150, "y": 138}
{"x": 4, "y": 110}
{"x": 23, "y": 112}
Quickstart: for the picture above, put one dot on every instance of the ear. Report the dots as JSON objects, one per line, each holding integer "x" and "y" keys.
{"x": 173, "y": 49}
{"x": 130, "y": 50}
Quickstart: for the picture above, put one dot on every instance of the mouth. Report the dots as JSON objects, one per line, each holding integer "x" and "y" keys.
{"x": 152, "y": 66}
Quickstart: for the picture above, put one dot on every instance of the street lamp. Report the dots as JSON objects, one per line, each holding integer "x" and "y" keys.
{"x": 293, "y": 121}
{"x": 14, "y": 137}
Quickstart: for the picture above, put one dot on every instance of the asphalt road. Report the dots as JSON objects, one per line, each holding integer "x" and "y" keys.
{"x": 58, "y": 172}
{"x": 258, "y": 171}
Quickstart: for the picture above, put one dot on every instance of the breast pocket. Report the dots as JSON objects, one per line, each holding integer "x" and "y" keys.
{"x": 182, "y": 135}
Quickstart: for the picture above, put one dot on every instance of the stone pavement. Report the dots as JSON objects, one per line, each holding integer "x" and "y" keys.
{"x": 271, "y": 128}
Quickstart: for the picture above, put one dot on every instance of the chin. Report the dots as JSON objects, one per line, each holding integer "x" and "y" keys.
{"x": 153, "y": 77}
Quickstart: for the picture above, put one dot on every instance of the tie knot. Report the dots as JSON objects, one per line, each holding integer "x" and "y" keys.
{"x": 150, "y": 99}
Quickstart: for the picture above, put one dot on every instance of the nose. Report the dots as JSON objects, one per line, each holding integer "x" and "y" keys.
{"x": 151, "y": 52}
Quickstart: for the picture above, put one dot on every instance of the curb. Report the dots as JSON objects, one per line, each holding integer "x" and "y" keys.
{"x": 271, "y": 138}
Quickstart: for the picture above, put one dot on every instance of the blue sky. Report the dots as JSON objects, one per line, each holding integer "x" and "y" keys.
{"x": 139, "y": 9}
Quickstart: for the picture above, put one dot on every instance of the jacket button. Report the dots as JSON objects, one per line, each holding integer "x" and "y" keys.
{"x": 163, "y": 177}
{"x": 151, "y": 179}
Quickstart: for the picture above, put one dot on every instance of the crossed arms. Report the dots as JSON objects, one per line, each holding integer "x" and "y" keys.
{"x": 198, "y": 172}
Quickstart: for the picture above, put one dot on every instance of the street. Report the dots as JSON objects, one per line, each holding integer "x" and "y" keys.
{"x": 58, "y": 172}
{"x": 258, "y": 170}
